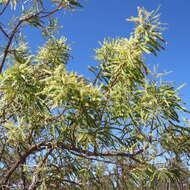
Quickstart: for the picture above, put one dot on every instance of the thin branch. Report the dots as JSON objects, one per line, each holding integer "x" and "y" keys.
{"x": 71, "y": 182}
{"x": 5, "y": 7}
{"x": 35, "y": 178}
{"x": 63, "y": 187}
{"x": 33, "y": 149}
{"x": 6, "y": 51}
{"x": 15, "y": 30}
{"x": 107, "y": 154}
{"x": 3, "y": 31}
{"x": 23, "y": 177}
{"x": 2, "y": 150}
{"x": 47, "y": 14}
{"x": 93, "y": 159}
{"x": 97, "y": 77}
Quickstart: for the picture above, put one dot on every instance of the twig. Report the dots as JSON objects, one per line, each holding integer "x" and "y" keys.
{"x": 35, "y": 178}
{"x": 5, "y": 7}
{"x": 34, "y": 148}
{"x": 3, "y": 31}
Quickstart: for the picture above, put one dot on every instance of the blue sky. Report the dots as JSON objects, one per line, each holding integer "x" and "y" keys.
{"x": 100, "y": 19}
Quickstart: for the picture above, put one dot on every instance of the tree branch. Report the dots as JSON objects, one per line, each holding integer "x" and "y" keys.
{"x": 3, "y": 31}
{"x": 35, "y": 178}
{"x": 5, "y": 7}
{"x": 34, "y": 148}
{"x": 14, "y": 31}
{"x": 51, "y": 144}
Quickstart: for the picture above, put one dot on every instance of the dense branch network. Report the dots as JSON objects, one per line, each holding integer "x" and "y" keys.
{"x": 60, "y": 130}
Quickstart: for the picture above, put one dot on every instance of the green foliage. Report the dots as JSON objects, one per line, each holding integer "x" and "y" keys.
{"x": 122, "y": 130}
